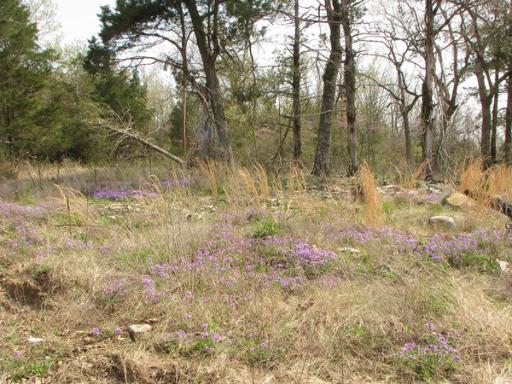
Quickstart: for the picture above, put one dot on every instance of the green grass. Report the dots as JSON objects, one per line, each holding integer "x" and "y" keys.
{"x": 265, "y": 227}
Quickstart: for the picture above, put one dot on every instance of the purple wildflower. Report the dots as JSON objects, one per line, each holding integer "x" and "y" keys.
{"x": 181, "y": 334}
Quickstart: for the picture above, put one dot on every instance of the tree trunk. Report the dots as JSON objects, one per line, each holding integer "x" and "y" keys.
{"x": 184, "y": 118}
{"x": 494, "y": 123}
{"x": 297, "y": 142}
{"x": 184, "y": 59}
{"x": 407, "y": 134}
{"x": 427, "y": 106}
{"x": 212, "y": 81}
{"x": 485, "y": 104}
{"x": 350, "y": 86}
{"x": 508, "y": 122}
{"x": 321, "y": 166}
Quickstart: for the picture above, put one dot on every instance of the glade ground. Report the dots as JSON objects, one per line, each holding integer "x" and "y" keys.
{"x": 243, "y": 278}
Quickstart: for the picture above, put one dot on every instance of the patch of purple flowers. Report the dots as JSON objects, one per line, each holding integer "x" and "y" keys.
{"x": 436, "y": 345}
{"x": 441, "y": 248}
{"x": 310, "y": 256}
{"x": 150, "y": 293}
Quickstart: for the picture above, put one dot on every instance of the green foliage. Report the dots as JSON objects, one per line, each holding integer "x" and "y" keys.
{"x": 476, "y": 261}
{"x": 265, "y": 227}
{"x": 26, "y": 369}
{"x": 119, "y": 89}
{"x": 24, "y": 72}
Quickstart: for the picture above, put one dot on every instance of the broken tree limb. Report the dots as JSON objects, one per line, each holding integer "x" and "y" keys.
{"x": 114, "y": 121}
{"x": 147, "y": 144}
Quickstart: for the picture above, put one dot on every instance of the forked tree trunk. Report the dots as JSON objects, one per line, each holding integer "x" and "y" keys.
{"x": 321, "y": 166}
{"x": 297, "y": 141}
{"x": 212, "y": 81}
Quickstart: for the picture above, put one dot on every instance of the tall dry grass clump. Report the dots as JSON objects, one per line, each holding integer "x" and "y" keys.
{"x": 373, "y": 211}
{"x": 410, "y": 180}
{"x": 296, "y": 181}
{"x": 209, "y": 171}
{"x": 473, "y": 178}
{"x": 493, "y": 182}
{"x": 500, "y": 181}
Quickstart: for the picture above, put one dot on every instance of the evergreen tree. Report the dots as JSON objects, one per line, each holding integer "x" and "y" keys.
{"x": 24, "y": 70}
{"x": 119, "y": 89}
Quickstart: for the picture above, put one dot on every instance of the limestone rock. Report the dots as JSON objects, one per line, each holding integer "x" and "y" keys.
{"x": 442, "y": 221}
{"x": 504, "y": 265}
{"x": 135, "y": 330}
{"x": 459, "y": 200}
{"x": 349, "y": 250}
{"x": 35, "y": 340}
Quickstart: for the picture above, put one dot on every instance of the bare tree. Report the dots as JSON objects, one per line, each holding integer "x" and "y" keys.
{"x": 396, "y": 39}
{"x": 478, "y": 36}
{"x": 508, "y": 121}
{"x": 297, "y": 142}
{"x": 209, "y": 49}
{"x": 349, "y": 8}
{"x": 448, "y": 79}
{"x": 427, "y": 102}
{"x": 334, "y": 18}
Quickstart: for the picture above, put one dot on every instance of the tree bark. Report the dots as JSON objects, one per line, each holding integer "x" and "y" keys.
{"x": 494, "y": 123}
{"x": 184, "y": 59}
{"x": 349, "y": 76}
{"x": 508, "y": 121}
{"x": 427, "y": 106}
{"x": 407, "y": 133}
{"x": 485, "y": 104}
{"x": 321, "y": 165}
{"x": 208, "y": 58}
{"x": 297, "y": 142}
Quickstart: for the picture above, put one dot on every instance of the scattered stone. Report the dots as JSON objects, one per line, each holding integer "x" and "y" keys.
{"x": 35, "y": 340}
{"x": 504, "y": 265}
{"x": 135, "y": 330}
{"x": 442, "y": 221}
{"x": 503, "y": 380}
{"x": 349, "y": 250}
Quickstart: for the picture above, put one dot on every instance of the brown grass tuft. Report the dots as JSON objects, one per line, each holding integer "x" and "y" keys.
{"x": 500, "y": 181}
{"x": 373, "y": 212}
{"x": 472, "y": 179}
{"x": 411, "y": 180}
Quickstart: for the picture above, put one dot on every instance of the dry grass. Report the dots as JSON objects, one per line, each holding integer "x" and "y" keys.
{"x": 411, "y": 179}
{"x": 373, "y": 212}
{"x": 344, "y": 322}
{"x": 500, "y": 181}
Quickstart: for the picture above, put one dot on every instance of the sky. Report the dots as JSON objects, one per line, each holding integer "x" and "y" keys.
{"x": 78, "y": 18}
